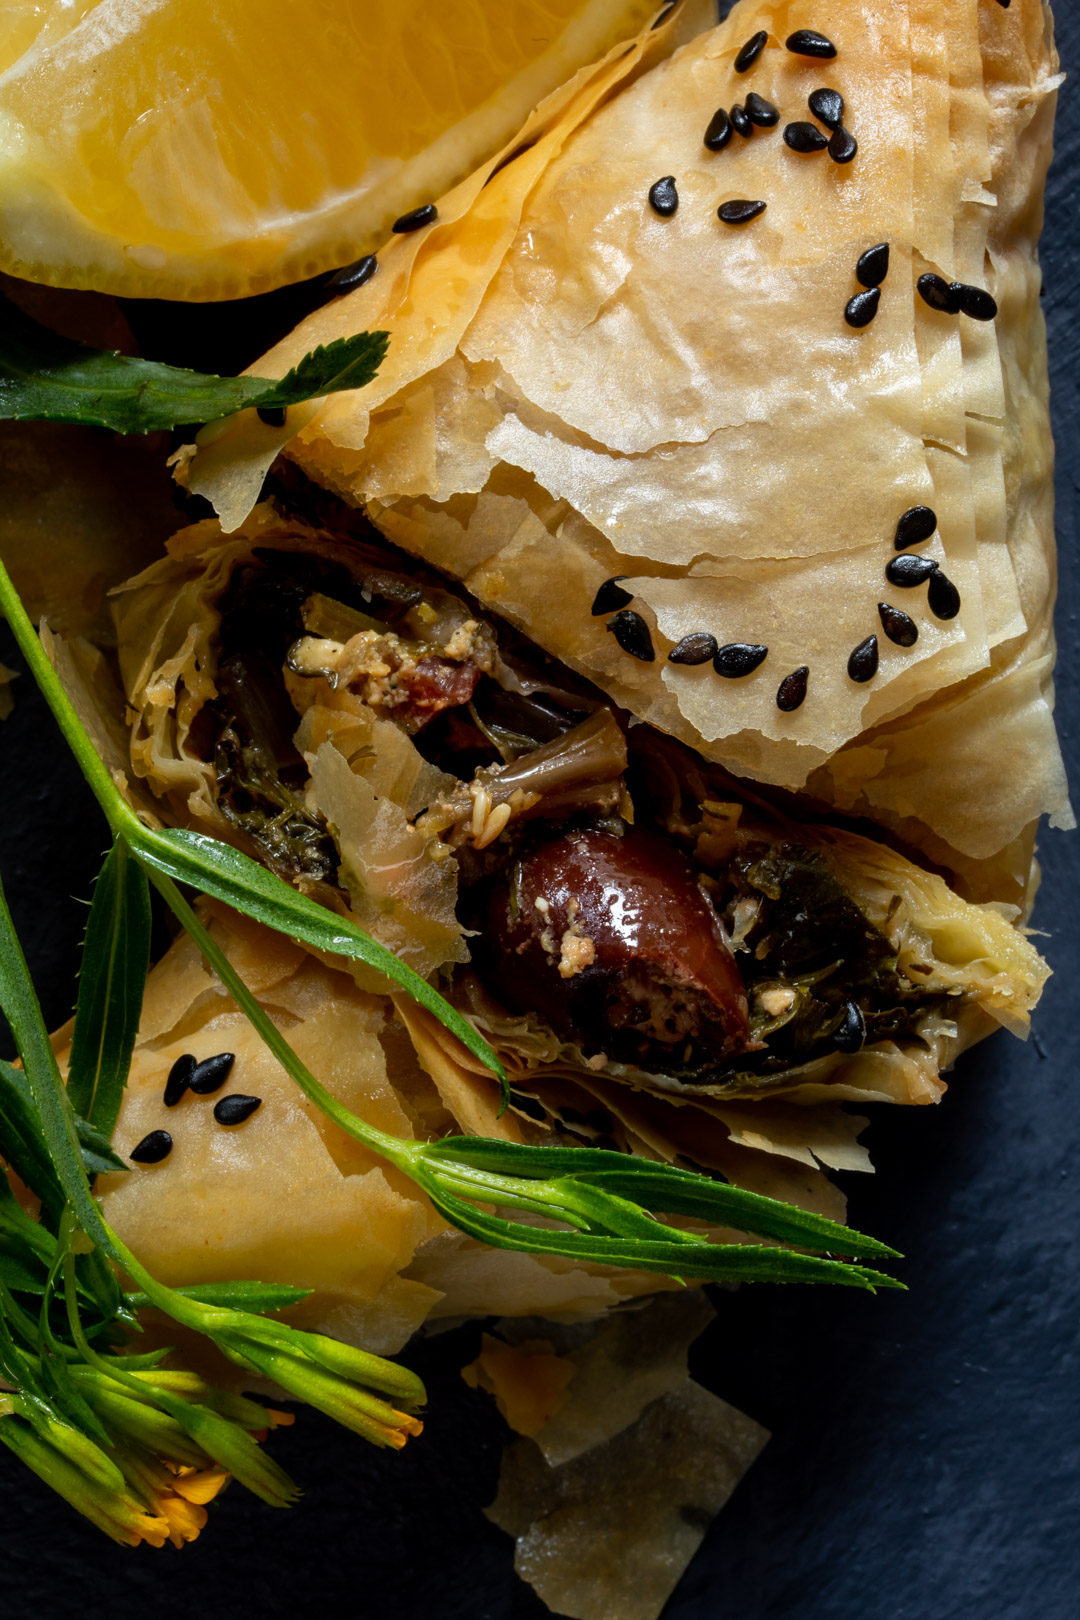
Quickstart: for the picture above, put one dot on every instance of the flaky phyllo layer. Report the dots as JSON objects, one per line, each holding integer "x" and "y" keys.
{"x": 619, "y": 426}
{"x": 578, "y": 387}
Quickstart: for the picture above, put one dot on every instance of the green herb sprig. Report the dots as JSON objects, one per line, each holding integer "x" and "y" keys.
{"x": 108, "y": 1431}
{"x": 609, "y": 1202}
{"x": 48, "y": 378}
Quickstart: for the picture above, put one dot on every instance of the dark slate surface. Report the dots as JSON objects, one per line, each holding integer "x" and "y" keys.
{"x": 925, "y": 1463}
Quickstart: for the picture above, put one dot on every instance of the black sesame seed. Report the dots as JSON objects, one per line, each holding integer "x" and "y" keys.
{"x": 943, "y": 596}
{"x": 851, "y": 1031}
{"x": 739, "y": 658}
{"x": 863, "y": 663}
{"x": 860, "y": 310}
{"x": 842, "y": 145}
{"x": 938, "y": 293}
{"x": 739, "y": 211}
{"x": 415, "y": 219}
{"x": 976, "y": 303}
{"x": 211, "y": 1074}
{"x": 353, "y": 275}
{"x": 152, "y": 1149}
{"x": 804, "y": 137}
{"x": 272, "y": 415}
{"x": 873, "y": 266}
{"x": 234, "y": 1109}
{"x": 827, "y": 106}
{"x": 908, "y": 570}
{"x": 761, "y": 112}
{"x": 792, "y": 689}
{"x": 750, "y": 52}
{"x": 696, "y": 648}
{"x": 740, "y": 119}
{"x": 610, "y": 596}
{"x": 663, "y": 197}
{"x": 719, "y": 130}
{"x": 805, "y": 42}
{"x": 916, "y": 525}
{"x": 179, "y": 1079}
{"x": 898, "y": 625}
{"x": 632, "y": 634}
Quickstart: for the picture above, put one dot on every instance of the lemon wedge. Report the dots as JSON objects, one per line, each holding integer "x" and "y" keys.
{"x": 204, "y": 149}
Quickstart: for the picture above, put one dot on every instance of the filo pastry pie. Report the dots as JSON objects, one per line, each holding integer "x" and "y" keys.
{"x": 579, "y": 386}
{"x": 657, "y": 654}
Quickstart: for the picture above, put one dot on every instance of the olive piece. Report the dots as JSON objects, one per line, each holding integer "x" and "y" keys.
{"x": 612, "y": 941}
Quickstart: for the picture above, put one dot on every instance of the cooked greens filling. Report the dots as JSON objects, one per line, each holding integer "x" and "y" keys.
{"x": 260, "y": 775}
{"x": 820, "y": 975}
{"x": 615, "y": 886}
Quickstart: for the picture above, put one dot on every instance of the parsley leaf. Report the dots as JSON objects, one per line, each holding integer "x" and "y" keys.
{"x": 48, "y": 378}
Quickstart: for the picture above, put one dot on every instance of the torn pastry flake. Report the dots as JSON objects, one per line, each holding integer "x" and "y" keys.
{"x": 528, "y": 1380}
{"x": 609, "y": 1499}
{"x": 613, "y": 1531}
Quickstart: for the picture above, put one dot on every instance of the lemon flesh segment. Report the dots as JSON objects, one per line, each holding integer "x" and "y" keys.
{"x": 202, "y": 149}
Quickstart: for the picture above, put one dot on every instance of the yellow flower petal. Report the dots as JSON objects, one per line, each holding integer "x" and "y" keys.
{"x": 185, "y": 1519}
{"x": 281, "y": 1420}
{"x": 144, "y": 1528}
{"x": 202, "y": 1485}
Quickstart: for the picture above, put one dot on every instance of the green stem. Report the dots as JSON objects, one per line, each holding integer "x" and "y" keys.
{"x": 400, "y": 1153}
{"x": 23, "y": 1013}
{"x": 92, "y": 766}
{"x": 111, "y": 1368}
{"x": 555, "y": 1201}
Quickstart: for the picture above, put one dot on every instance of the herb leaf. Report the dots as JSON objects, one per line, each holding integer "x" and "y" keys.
{"x": 330, "y": 369}
{"x": 232, "y": 1296}
{"x": 228, "y": 874}
{"x": 22, "y": 1146}
{"x": 702, "y": 1261}
{"x": 55, "y": 1116}
{"x": 115, "y": 958}
{"x": 16, "y": 1275}
{"x": 659, "y": 1187}
{"x": 97, "y": 1152}
{"x": 45, "y": 377}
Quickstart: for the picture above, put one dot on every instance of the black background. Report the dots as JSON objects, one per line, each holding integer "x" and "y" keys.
{"x": 925, "y": 1460}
